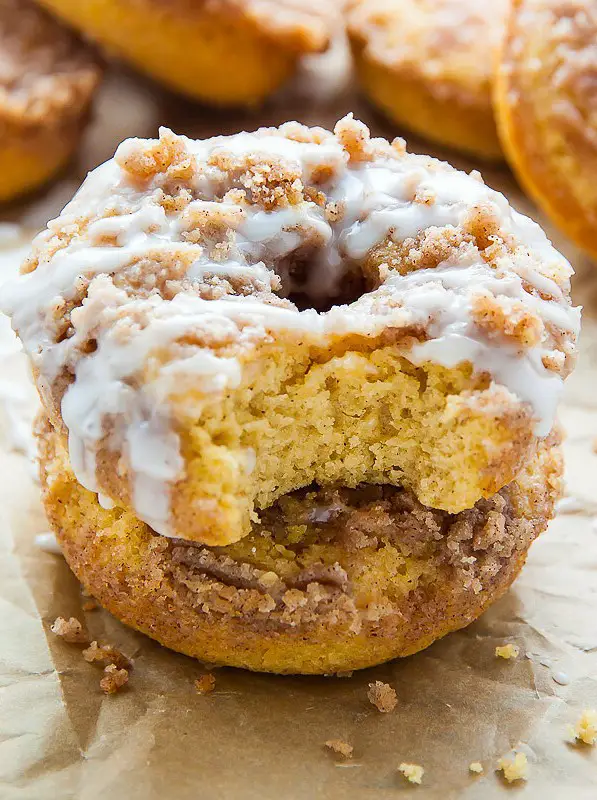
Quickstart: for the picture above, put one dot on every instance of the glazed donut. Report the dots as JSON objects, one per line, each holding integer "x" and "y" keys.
{"x": 223, "y": 52}
{"x": 428, "y": 65}
{"x": 48, "y": 80}
{"x": 546, "y": 110}
{"x": 215, "y": 324}
{"x": 328, "y": 581}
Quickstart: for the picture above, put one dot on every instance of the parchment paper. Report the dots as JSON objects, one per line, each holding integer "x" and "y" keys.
{"x": 260, "y": 736}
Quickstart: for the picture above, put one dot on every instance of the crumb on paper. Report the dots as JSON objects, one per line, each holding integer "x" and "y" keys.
{"x": 476, "y": 767}
{"x": 382, "y": 696}
{"x": 106, "y": 654}
{"x": 585, "y": 729}
{"x": 89, "y": 605}
{"x": 340, "y": 747}
{"x": 70, "y": 630}
{"x": 412, "y": 772}
{"x": 114, "y": 679}
{"x": 507, "y": 651}
{"x": 205, "y": 684}
{"x": 514, "y": 766}
{"x": 345, "y": 674}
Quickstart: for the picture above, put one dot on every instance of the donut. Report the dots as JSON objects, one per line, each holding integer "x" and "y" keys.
{"x": 329, "y": 580}
{"x": 546, "y": 112}
{"x": 428, "y": 65}
{"x": 222, "y": 52}
{"x": 47, "y": 83}
{"x": 215, "y": 324}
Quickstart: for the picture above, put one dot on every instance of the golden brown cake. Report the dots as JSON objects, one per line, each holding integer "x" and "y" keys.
{"x": 47, "y": 81}
{"x": 428, "y": 65}
{"x": 546, "y": 109}
{"x": 224, "y": 52}
{"x": 216, "y": 324}
{"x": 327, "y": 581}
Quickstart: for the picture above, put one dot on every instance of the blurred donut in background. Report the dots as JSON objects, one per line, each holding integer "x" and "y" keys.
{"x": 546, "y": 106}
{"x": 47, "y": 81}
{"x": 222, "y": 52}
{"x": 428, "y": 65}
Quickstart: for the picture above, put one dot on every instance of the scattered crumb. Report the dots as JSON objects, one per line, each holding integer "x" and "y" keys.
{"x": 90, "y": 605}
{"x": 382, "y": 696}
{"x": 205, "y": 684}
{"x": 114, "y": 679}
{"x": 585, "y": 729}
{"x": 412, "y": 772}
{"x": 340, "y": 747}
{"x": 70, "y": 630}
{"x": 106, "y": 654}
{"x": 514, "y": 766}
{"x": 348, "y": 674}
{"x": 476, "y": 766}
{"x": 507, "y": 651}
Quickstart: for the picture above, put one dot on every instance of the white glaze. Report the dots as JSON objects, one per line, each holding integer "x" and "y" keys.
{"x": 378, "y": 200}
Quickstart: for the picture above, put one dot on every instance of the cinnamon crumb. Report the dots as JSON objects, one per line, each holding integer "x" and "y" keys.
{"x": 205, "y": 684}
{"x": 114, "y": 679}
{"x": 382, "y": 696}
{"x": 514, "y": 766}
{"x": 507, "y": 651}
{"x": 90, "y": 605}
{"x": 70, "y": 630}
{"x": 476, "y": 767}
{"x": 585, "y": 730}
{"x": 412, "y": 772}
{"x": 107, "y": 654}
{"x": 340, "y": 747}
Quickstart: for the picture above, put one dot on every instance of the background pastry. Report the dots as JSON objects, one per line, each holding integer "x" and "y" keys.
{"x": 546, "y": 109}
{"x": 47, "y": 81}
{"x": 428, "y": 65}
{"x": 224, "y": 52}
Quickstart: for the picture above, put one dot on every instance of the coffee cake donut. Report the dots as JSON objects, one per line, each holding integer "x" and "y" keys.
{"x": 214, "y": 324}
{"x": 47, "y": 80}
{"x": 223, "y": 52}
{"x": 428, "y": 65}
{"x": 327, "y": 581}
{"x": 546, "y": 109}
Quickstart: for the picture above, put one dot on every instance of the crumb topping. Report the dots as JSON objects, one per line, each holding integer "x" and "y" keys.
{"x": 412, "y": 772}
{"x": 476, "y": 767}
{"x": 507, "y": 651}
{"x": 106, "y": 654}
{"x": 340, "y": 748}
{"x": 382, "y": 696}
{"x": 514, "y": 767}
{"x": 205, "y": 684}
{"x": 114, "y": 679}
{"x": 585, "y": 729}
{"x": 71, "y": 630}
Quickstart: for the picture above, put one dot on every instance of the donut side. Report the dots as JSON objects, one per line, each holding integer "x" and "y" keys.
{"x": 544, "y": 101}
{"x": 227, "y": 52}
{"x": 328, "y": 581}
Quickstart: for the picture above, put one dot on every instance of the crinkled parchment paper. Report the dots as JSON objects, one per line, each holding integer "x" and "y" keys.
{"x": 260, "y": 736}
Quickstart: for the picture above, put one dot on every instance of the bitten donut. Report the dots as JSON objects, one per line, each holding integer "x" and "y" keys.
{"x": 47, "y": 81}
{"x": 223, "y": 52}
{"x": 215, "y": 324}
{"x": 547, "y": 110}
{"x": 428, "y": 64}
{"x": 328, "y": 580}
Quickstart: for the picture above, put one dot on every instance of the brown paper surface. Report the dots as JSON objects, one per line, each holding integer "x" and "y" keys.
{"x": 261, "y": 736}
